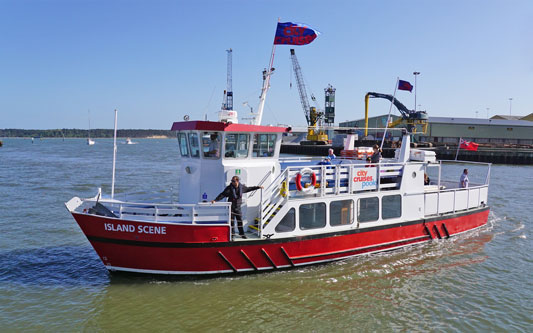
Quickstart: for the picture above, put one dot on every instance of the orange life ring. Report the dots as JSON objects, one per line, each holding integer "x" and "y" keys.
{"x": 299, "y": 176}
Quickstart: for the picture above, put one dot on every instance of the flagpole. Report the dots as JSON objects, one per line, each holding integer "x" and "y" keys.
{"x": 266, "y": 85}
{"x": 458, "y": 147}
{"x": 114, "y": 157}
{"x": 390, "y": 110}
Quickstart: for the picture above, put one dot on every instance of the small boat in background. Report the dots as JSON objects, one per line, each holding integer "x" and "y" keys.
{"x": 90, "y": 141}
{"x": 129, "y": 142}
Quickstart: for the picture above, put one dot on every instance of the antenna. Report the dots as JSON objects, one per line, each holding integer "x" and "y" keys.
{"x": 252, "y": 114}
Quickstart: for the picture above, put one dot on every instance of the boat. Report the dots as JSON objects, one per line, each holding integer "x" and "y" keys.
{"x": 90, "y": 141}
{"x": 129, "y": 142}
{"x": 306, "y": 214}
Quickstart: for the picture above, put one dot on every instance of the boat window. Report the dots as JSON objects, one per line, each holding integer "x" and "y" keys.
{"x": 182, "y": 140}
{"x": 313, "y": 216}
{"x": 391, "y": 206}
{"x": 264, "y": 145}
{"x": 341, "y": 212}
{"x": 195, "y": 149}
{"x": 211, "y": 145}
{"x": 236, "y": 145}
{"x": 288, "y": 222}
{"x": 368, "y": 209}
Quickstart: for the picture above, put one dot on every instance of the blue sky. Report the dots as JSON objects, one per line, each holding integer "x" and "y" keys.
{"x": 156, "y": 61}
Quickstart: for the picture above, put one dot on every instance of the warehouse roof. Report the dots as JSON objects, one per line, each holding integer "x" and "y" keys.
{"x": 478, "y": 121}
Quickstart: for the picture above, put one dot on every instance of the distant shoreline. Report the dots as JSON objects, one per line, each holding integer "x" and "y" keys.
{"x": 83, "y": 133}
{"x": 92, "y": 137}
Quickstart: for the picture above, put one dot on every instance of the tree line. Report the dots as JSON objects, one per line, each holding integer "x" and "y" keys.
{"x": 81, "y": 133}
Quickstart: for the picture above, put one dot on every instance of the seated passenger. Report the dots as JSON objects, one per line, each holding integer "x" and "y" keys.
{"x": 325, "y": 161}
{"x": 331, "y": 154}
{"x": 213, "y": 146}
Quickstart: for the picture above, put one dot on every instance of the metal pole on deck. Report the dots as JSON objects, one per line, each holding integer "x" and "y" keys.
{"x": 458, "y": 147}
{"x": 114, "y": 157}
{"x": 390, "y": 110}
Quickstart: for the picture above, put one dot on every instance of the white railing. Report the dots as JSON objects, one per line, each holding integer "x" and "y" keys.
{"x": 448, "y": 197}
{"x": 456, "y": 199}
{"x": 202, "y": 213}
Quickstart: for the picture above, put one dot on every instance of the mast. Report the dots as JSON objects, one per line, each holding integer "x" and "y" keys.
{"x": 266, "y": 85}
{"x": 114, "y": 157}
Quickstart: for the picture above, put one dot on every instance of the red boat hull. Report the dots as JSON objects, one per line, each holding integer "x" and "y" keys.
{"x": 195, "y": 249}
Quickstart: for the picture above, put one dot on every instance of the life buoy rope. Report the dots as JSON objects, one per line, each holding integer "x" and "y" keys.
{"x": 298, "y": 180}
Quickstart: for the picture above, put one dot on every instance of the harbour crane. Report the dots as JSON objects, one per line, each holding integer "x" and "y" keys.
{"x": 315, "y": 134}
{"x": 409, "y": 117}
{"x": 228, "y": 93}
{"x": 227, "y": 114}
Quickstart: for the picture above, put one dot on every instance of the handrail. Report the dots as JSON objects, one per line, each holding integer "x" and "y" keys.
{"x": 174, "y": 213}
{"x": 465, "y": 162}
{"x": 269, "y": 172}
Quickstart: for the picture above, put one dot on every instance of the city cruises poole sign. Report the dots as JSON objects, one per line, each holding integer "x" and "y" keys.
{"x": 364, "y": 179}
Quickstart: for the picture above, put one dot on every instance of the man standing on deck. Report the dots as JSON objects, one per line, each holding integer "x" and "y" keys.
{"x": 234, "y": 193}
{"x": 463, "y": 181}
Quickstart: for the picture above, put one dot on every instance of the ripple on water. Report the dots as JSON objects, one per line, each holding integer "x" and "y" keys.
{"x": 61, "y": 265}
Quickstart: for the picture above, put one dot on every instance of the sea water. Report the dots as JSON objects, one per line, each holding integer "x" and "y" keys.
{"x": 52, "y": 280}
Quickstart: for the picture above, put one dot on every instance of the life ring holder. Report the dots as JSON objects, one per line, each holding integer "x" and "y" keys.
{"x": 284, "y": 190}
{"x": 298, "y": 180}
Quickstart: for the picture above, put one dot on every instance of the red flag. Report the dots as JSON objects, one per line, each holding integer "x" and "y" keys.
{"x": 468, "y": 145}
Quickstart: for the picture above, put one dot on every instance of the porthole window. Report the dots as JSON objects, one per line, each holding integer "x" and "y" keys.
{"x": 341, "y": 212}
{"x": 313, "y": 216}
{"x": 182, "y": 141}
{"x": 211, "y": 145}
{"x": 195, "y": 148}
{"x": 391, "y": 206}
{"x": 288, "y": 222}
{"x": 264, "y": 145}
{"x": 236, "y": 145}
{"x": 368, "y": 209}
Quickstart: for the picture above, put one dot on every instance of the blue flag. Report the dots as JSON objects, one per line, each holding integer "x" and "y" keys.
{"x": 294, "y": 34}
{"x": 404, "y": 85}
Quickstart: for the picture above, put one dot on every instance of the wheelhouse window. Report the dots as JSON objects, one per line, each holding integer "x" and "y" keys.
{"x": 211, "y": 145}
{"x": 391, "y": 206}
{"x": 341, "y": 212}
{"x": 288, "y": 222}
{"x": 264, "y": 145}
{"x": 182, "y": 141}
{"x": 368, "y": 209}
{"x": 313, "y": 216}
{"x": 193, "y": 141}
{"x": 236, "y": 145}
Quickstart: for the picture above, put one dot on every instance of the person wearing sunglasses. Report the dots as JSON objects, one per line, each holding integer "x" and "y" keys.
{"x": 234, "y": 192}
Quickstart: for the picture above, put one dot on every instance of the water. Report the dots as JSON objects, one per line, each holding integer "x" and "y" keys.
{"x": 52, "y": 280}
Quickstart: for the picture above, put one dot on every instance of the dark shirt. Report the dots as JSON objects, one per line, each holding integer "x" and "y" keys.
{"x": 376, "y": 157}
{"x": 234, "y": 194}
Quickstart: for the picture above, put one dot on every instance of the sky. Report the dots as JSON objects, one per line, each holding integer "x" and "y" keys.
{"x": 157, "y": 61}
